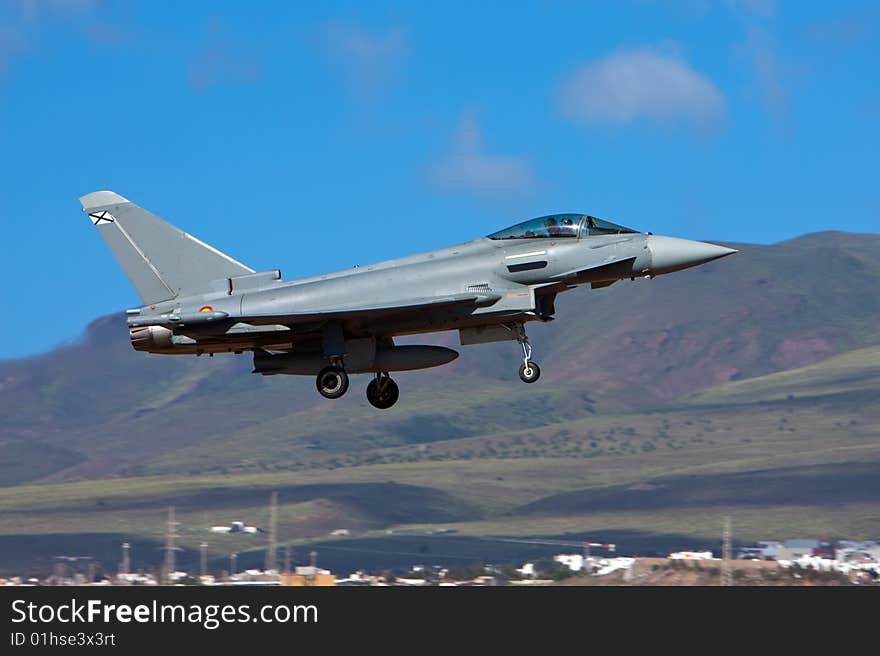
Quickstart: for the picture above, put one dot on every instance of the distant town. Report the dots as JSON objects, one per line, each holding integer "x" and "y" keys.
{"x": 767, "y": 562}
{"x": 581, "y": 562}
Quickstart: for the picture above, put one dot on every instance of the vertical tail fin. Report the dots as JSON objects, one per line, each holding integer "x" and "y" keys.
{"x": 161, "y": 261}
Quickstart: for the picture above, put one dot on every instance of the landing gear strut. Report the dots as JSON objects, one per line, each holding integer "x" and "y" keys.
{"x": 382, "y": 392}
{"x": 529, "y": 371}
{"x": 332, "y": 382}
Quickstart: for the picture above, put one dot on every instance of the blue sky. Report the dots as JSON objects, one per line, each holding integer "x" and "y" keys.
{"x": 312, "y": 137}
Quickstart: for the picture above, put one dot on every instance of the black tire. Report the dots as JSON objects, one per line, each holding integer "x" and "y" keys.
{"x": 332, "y": 382}
{"x": 533, "y": 374}
{"x": 384, "y": 397}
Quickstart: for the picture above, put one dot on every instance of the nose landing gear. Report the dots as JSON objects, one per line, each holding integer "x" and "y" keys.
{"x": 382, "y": 392}
{"x": 332, "y": 382}
{"x": 529, "y": 371}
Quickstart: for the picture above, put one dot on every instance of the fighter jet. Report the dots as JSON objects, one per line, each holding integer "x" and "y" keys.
{"x": 197, "y": 300}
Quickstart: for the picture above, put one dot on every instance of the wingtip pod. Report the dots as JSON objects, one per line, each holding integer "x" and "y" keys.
{"x": 101, "y": 199}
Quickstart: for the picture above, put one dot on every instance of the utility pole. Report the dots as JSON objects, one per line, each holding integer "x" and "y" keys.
{"x": 601, "y": 545}
{"x": 203, "y": 559}
{"x": 271, "y": 555}
{"x": 288, "y": 555}
{"x": 58, "y": 572}
{"x": 125, "y": 567}
{"x": 726, "y": 573}
{"x": 170, "y": 534}
{"x": 312, "y": 576}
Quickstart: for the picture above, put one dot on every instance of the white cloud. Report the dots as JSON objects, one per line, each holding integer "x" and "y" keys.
{"x": 35, "y": 10}
{"x": 641, "y": 83}
{"x": 20, "y": 21}
{"x": 221, "y": 60}
{"x": 12, "y": 42}
{"x": 470, "y": 169}
{"x": 768, "y": 71}
{"x": 762, "y": 8}
{"x": 842, "y": 32}
{"x": 369, "y": 59}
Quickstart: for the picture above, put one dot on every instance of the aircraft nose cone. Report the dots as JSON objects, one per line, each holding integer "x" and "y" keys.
{"x": 670, "y": 254}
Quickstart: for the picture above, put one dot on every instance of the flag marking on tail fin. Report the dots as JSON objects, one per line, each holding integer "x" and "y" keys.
{"x": 101, "y": 217}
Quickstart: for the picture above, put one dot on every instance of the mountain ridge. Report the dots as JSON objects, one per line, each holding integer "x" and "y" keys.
{"x": 103, "y": 409}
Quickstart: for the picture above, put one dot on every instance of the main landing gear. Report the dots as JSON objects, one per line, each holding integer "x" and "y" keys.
{"x": 382, "y": 392}
{"x": 529, "y": 371}
{"x": 332, "y": 382}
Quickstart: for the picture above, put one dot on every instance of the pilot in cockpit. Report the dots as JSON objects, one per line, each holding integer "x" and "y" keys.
{"x": 552, "y": 227}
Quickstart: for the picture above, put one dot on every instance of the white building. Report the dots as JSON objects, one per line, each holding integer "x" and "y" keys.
{"x": 691, "y": 555}
{"x": 136, "y": 579}
{"x": 527, "y": 570}
{"x": 794, "y": 549}
{"x": 849, "y": 551}
{"x": 765, "y": 550}
{"x": 608, "y": 565}
{"x": 574, "y": 562}
{"x": 407, "y": 581}
{"x": 235, "y": 527}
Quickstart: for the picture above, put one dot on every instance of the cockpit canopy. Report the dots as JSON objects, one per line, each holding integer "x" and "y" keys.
{"x": 559, "y": 226}
{"x": 594, "y": 226}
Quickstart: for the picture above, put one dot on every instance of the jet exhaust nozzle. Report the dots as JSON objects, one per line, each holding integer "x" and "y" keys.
{"x": 151, "y": 339}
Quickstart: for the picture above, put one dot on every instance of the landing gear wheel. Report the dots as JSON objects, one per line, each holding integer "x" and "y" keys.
{"x": 332, "y": 382}
{"x": 530, "y": 373}
{"x": 382, "y": 392}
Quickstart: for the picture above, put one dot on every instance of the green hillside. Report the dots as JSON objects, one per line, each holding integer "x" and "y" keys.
{"x": 98, "y": 408}
{"x": 747, "y": 387}
{"x": 853, "y": 376}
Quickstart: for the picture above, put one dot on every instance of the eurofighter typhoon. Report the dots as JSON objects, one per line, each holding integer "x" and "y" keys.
{"x": 198, "y": 300}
